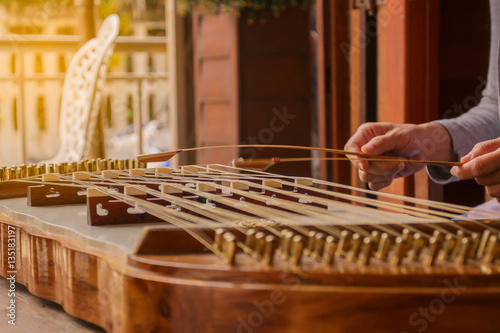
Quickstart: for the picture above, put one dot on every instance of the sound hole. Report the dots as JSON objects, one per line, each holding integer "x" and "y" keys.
{"x": 53, "y": 193}
{"x": 135, "y": 210}
{"x": 101, "y": 211}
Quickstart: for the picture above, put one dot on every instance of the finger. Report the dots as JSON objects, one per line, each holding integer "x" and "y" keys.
{"x": 494, "y": 191}
{"x": 382, "y": 144}
{"x": 481, "y": 149}
{"x": 478, "y": 167}
{"x": 379, "y": 185}
{"x": 364, "y": 134}
{"x": 367, "y": 177}
{"x": 385, "y": 168}
{"x": 354, "y": 145}
{"x": 491, "y": 179}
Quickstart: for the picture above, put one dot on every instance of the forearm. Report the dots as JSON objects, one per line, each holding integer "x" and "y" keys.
{"x": 438, "y": 142}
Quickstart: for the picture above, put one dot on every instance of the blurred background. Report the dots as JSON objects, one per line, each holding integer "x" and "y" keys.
{"x": 189, "y": 73}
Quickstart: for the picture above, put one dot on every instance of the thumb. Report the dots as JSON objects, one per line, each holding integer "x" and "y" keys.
{"x": 380, "y": 145}
{"x": 480, "y": 149}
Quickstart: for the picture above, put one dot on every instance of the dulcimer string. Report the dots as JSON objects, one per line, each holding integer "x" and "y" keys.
{"x": 218, "y": 214}
{"x": 241, "y": 245}
{"x": 446, "y": 232}
{"x": 205, "y": 241}
{"x": 458, "y": 209}
{"x": 399, "y": 208}
{"x": 165, "y": 214}
{"x": 462, "y": 209}
{"x": 276, "y": 215}
{"x": 263, "y": 164}
{"x": 282, "y": 203}
{"x": 272, "y": 216}
{"x": 165, "y": 156}
{"x": 405, "y": 208}
{"x": 406, "y": 198}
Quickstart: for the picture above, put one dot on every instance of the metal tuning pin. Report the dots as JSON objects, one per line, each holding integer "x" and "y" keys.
{"x": 269, "y": 249}
{"x": 375, "y": 236}
{"x": 407, "y": 236}
{"x": 418, "y": 245}
{"x": 30, "y": 170}
{"x": 250, "y": 240}
{"x": 281, "y": 238}
{"x": 259, "y": 244}
{"x": 352, "y": 255}
{"x": 475, "y": 239}
{"x": 319, "y": 245}
{"x": 438, "y": 235}
{"x": 482, "y": 244}
{"x": 400, "y": 247}
{"x": 24, "y": 170}
{"x": 492, "y": 250}
{"x": 13, "y": 172}
{"x": 329, "y": 252}
{"x": 366, "y": 251}
{"x": 458, "y": 244}
{"x": 345, "y": 239}
{"x": 19, "y": 173}
{"x": 297, "y": 250}
{"x": 311, "y": 243}
{"x": 432, "y": 252}
{"x": 51, "y": 168}
{"x": 449, "y": 243}
{"x": 219, "y": 239}
{"x": 90, "y": 166}
{"x": 229, "y": 248}
{"x": 462, "y": 254}
{"x": 287, "y": 245}
{"x": 8, "y": 174}
{"x": 2, "y": 174}
{"x": 132, "y": 164}
{"x": 384, "y": 246}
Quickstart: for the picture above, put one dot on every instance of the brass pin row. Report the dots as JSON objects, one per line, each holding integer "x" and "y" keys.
{"x": 259, "y": 245}
{"x": 325, "y": 248}
{"x": 29, "y": 170}
{"x": 408, "y": 247}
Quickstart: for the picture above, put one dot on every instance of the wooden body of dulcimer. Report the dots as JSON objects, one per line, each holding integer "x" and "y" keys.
{"x": 213, "y": 249}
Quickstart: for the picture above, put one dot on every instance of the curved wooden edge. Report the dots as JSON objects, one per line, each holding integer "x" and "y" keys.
{"x": 120, "y": 298}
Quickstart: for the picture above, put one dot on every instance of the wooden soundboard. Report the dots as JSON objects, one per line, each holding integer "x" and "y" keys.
{"x": 143, "y": 273}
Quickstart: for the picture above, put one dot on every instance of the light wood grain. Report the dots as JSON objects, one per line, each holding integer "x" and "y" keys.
{"x": 34, "y": 314}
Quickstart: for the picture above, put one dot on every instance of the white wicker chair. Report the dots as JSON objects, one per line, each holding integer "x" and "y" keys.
{"x": 81, "y": 93}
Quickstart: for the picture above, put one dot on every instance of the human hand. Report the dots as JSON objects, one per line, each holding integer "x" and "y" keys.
{"x": 483, "y": 164}
{"x": 428, "y": 141}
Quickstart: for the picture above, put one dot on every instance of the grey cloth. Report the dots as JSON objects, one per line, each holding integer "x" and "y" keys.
{"x": 482, "y": 122}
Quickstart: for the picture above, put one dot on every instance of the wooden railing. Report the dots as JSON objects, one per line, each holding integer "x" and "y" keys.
{"x": 19, "y": 45}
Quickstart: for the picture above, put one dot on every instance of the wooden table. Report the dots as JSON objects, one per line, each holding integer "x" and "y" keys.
{"x": 34, "y": 314}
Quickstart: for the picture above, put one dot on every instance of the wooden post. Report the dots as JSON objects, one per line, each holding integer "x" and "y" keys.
{"x": 86, "y": 19}
{"x": 180, "y": 64}
{"x": 408, "y": 71}
{"x": 334, "y": 84}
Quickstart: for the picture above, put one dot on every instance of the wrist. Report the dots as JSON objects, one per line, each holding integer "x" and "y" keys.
{"x": 438, "y": 142}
